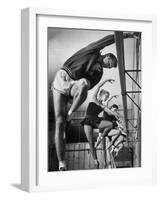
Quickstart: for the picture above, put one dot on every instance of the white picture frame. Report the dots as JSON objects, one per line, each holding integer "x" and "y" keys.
{"x": 34, "y": 176}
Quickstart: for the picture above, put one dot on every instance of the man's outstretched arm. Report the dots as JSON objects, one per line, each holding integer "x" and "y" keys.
{"x": 110, "y": 39}
{"x": 81, "y": 55}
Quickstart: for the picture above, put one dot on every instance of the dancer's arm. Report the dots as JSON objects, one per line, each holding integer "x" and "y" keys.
{"x": 108, "y": 101}
{"x": 97, "y": 92}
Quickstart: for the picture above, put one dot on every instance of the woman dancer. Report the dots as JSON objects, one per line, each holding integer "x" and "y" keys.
{"x": 93, "y": 121}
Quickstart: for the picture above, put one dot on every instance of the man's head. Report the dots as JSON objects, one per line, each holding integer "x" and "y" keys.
{"x": 109, "y": 61}
{"x": 114, "y": 107}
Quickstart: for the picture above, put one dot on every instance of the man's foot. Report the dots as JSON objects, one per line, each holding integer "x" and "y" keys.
{"x": 62, "y": 166}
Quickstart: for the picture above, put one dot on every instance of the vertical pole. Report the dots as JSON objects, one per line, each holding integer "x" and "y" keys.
{"x": 138, "y": 114}
{"x": 121, "y": 64}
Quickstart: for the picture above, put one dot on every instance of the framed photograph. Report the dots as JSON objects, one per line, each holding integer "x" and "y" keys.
{"x": 86, "y": 103}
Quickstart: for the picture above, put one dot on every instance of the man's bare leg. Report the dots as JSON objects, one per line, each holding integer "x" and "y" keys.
{"x": 60, "y": 105}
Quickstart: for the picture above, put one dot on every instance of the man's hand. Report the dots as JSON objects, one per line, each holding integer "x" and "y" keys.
{"x": 135, "y": 35}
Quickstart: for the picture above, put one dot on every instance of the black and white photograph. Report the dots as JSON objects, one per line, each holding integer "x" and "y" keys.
{"x": 80, "y": 100}
{"x": 94, "y": 99}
